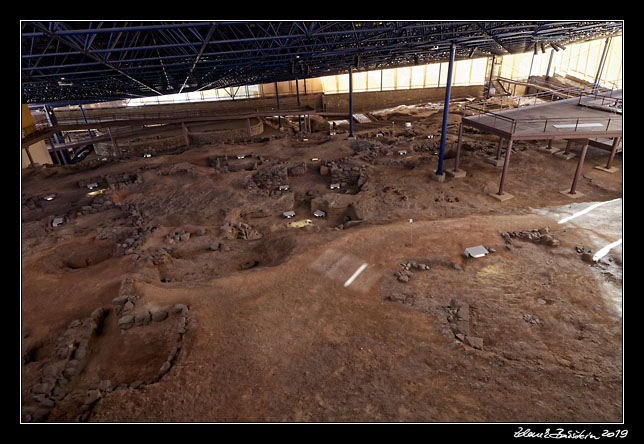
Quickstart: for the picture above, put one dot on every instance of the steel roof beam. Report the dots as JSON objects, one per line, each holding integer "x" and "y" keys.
{"x": 90, "y": 55}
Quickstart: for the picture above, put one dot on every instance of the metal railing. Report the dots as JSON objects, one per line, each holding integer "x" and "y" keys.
{"x": 129, "y": 117}
{"x": 532, "y": 99}
{"x": 604, "y": 100}
{"x": 550, "y": 125}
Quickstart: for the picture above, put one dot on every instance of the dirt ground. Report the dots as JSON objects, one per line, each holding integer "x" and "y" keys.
{"x": 175, "y": 291}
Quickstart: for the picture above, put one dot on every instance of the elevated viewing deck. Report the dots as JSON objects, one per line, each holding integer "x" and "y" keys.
{"x": 586, "y": 116}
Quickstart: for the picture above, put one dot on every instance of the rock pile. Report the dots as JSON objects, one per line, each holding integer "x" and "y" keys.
{"x": 124, "y": 303}
{"x": 405, "y": 273}
{"x": 537, "y": 236}
{"x": 99, "y": 181}
{"x": 269, "y": 179}
{"x": 118, "y": 181}
{"x": 241, "y": 230}
{"x": 69, "y": 356}
{"x": 100, "y": 389}
{"x": 100, "y": 203}
{"x": 298, "y": 169}
{"x": 345, "y": 174}
{"x": 177, "y": 236}
{"x": 458, "y": 318}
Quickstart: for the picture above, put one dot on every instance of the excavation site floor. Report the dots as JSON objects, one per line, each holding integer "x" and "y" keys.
{"x": 172, "y": 288}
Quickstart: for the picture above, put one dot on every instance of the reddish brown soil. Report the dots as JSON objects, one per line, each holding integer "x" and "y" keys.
{"x": 286, "y": 340}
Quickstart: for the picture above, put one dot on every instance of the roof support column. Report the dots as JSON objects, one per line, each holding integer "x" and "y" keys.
{"x": 350, "y": 102}
{"x": 277, "y": 97}
{"x": 448, "y": 90}
{"x": 297, "y": 92}
{"x": 552, "y": 53}
{"x": 89, "y": 133}
{"x": 489, "y": 83}
{"x": 600, "y": 68}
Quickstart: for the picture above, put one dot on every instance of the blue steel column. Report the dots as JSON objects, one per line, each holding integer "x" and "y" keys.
{"x": 350, "y": 102}
{"x": 448, "y": 91}
{"x": 297, "y": 91}
{"x": 89, "y": 133}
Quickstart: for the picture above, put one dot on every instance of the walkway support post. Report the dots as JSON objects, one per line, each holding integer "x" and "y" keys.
{"x": 579, "y": 168}
{"x": 612, "y": 152}
{"x": 499, "y": 148}
{"x": 508, "y": 150}
{"x": 448, "y": 91}
{"x": 456, "y": 172}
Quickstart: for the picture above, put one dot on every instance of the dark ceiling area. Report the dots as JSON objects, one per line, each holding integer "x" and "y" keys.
{"x": 80, "y": 61}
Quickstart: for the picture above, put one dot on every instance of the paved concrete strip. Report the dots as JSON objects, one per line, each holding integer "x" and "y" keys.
{"x": 586, "y": 210}
{"x": 602, "y": 252}
{"x": 355, "y": 275}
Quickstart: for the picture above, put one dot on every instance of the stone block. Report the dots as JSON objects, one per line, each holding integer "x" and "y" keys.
{"x": 437, "y": 177}
{"x": 456, "y": 173}
{"x": 607, "y": 170}
{"x": 562, "y": 155}
{"x": 572, "y": 196}
{"x": 501, "y": 197}
{"x": 494, "y": 161}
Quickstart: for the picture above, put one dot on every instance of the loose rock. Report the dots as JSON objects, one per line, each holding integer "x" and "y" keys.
{"x": 126, "y": 322}
{"x": 159, "y": 315}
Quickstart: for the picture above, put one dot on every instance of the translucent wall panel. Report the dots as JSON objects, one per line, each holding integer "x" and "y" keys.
{"x": 403, "y": 77}
{"x": 373, "y": 80}
{"x": 418, "y": 76}
{"x": 388, "y": 79}
{"x": 209, "y": 94}
{"x": 329, "y": 84}
{"x": 581, "y": 60}
{"x": 613, "y": 69}
{"x": 431, "y": 76}
{"x": 179, "y": 98}
{"x": 343, "y": 83}
{"x": 253, "y": 91}
{"x": 477, "y": 73}
{"x": 267, "y": 89}
{"x": 314, "y": 85}
{"x": 165, "y": 99}
{"x": 442, "y": 79}
{"x": 594, "y": 56}
{"x": 283, "y": 88}
{"x": 521, "y": 67}
{"x": 461, "y": 72}
{"x": 580, "y": 66}
{"x": 359, "y": 81}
